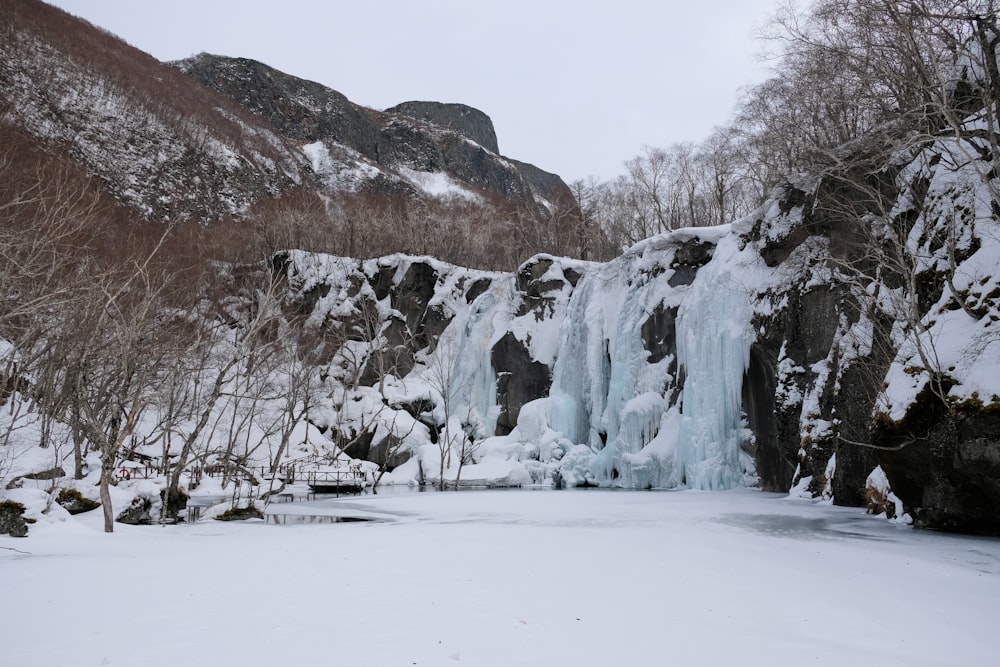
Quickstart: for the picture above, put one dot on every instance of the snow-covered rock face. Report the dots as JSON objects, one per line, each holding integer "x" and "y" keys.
{"x": 884, "y": 345}
{"x": 755, "y": 353}
{"x": 567, "y": 365}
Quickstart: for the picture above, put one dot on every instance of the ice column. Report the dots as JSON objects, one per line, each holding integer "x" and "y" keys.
{"x": 604, "y": 393}
{"x": 632, "y": 409}
{"x": 473, "y": 383}
{"x": 580, "y": 375}
{"x": 713, "y": 348}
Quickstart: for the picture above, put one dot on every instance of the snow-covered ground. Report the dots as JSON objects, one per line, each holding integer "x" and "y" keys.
{"x": 594, "y": 577}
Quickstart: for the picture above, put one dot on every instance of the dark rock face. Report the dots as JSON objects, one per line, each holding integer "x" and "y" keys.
{"x": 300, "y": 109}
{"x": 774, "y": 463}
{"x": 74, "y": 502}
{"x": 942, "y": 458}
{"x": 548, "y": 185}
{"x": 412, "y": 297}
{"x": 476, "y": 289}
{"x": 775, "y": 248}
{"x": 795, "y": 355}
{"x": 520, "y": 379}
{"x": 387, "y": 453}
{"x": 359, "y": 446}
{"x": 422, "y": 136}
{"x": 395, "y": 358}
{"x": 539, "y": 286}
{"x": 469, "y": 122}
{"x": 949, "y": 479}
{"x": 688, "y": 258}
{"x": 12, "y": 520}
{"x": 659, "y": 335}
{"x": 138, "y": 513}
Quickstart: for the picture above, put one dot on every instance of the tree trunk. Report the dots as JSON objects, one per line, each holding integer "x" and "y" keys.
{"x": 109, "y": 517}
{"x": 77, "y": 455}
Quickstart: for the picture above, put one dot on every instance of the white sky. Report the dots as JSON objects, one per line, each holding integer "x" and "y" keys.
{"x": 575, "y": 88}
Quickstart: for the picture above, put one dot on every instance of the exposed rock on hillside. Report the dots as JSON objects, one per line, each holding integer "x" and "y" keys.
{"x": 469, "y": 122}
{"x": 369, "y": 147}
{"x": 172, "y": 149}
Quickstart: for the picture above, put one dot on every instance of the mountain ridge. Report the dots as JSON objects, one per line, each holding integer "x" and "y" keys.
{"x": 211, "y": 138}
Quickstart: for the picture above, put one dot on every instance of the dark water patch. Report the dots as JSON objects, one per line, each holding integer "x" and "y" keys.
{"x": 798, "y": 527}
{"x": 292, "y": 519}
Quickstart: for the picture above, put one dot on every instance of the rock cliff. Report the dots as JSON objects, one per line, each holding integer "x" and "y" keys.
{"x": 378, "y": 148}
{"x": 770, "y": 352}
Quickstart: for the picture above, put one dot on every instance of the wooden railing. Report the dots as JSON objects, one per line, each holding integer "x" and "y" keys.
{"x": 337, "y": 473}
{"x": 347, "y": 477}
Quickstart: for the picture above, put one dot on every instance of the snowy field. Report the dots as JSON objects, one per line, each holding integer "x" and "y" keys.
{"x": 505, "y": 578}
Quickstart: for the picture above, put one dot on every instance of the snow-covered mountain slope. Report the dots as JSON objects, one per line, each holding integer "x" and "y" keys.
{"x": 211, "y": 137}
{"x": 429, "y": 148}
{"x": 165, "y": 148}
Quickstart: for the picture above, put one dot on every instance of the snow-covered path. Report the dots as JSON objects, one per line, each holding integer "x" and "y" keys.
{"x": 506, "y": 578}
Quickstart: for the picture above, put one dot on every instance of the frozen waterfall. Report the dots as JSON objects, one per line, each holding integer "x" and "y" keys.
{"x": 606, "y": 393}
{"x": 626, "y": 406}
{"x": 713, "y": 348}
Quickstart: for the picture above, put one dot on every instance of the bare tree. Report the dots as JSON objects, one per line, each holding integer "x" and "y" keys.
{"x": 443, "y": 378}
{"x": 110, "y": 374}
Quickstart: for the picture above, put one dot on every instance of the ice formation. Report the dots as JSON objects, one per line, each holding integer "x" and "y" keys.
{"x": 713, "y": 347}
{"x": 647, "y": 354}
{"x": 616, "y": 409}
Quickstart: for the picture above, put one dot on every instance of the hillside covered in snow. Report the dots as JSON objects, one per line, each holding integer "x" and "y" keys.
{"x": 212, "y": 139}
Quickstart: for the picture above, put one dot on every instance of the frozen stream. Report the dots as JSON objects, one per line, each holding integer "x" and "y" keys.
{"x": 506, "y": 578}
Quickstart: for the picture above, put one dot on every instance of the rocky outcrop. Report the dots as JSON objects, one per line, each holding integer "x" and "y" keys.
{"x": 946, "y": 470}
{"x": 299, "y": 109}
{"x": 49, "y": 473}
{"x": 470, "y": 123}
{"x": 75, "y": 502}
{"x": 39, "y": 475}
{"x": 520, "y": 379}
{"x": 138, "y": 513}
{"x": 851, "y": 388}
{"x": 425, "y": 137}
{"x": 12, "y": 519}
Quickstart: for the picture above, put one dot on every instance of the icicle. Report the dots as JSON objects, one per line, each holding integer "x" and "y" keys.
{"x": 474, "y": 384}
{"x": 604, "y": 392}
{"x": 579, "y": 378}
{"x": 713, "y": 347}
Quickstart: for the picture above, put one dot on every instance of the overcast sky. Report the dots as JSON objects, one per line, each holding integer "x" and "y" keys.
{"x": 574, "y": 87}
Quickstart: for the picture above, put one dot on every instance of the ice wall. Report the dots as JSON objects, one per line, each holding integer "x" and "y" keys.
{"x": 607, "y": 394}
{"x": 473, "y": 380}
{"x": 713, "y": 348}
{"x": 615, "y": 414}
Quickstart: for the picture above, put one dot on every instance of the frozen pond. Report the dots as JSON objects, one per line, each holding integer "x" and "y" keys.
{"x": 506, "y": 578}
